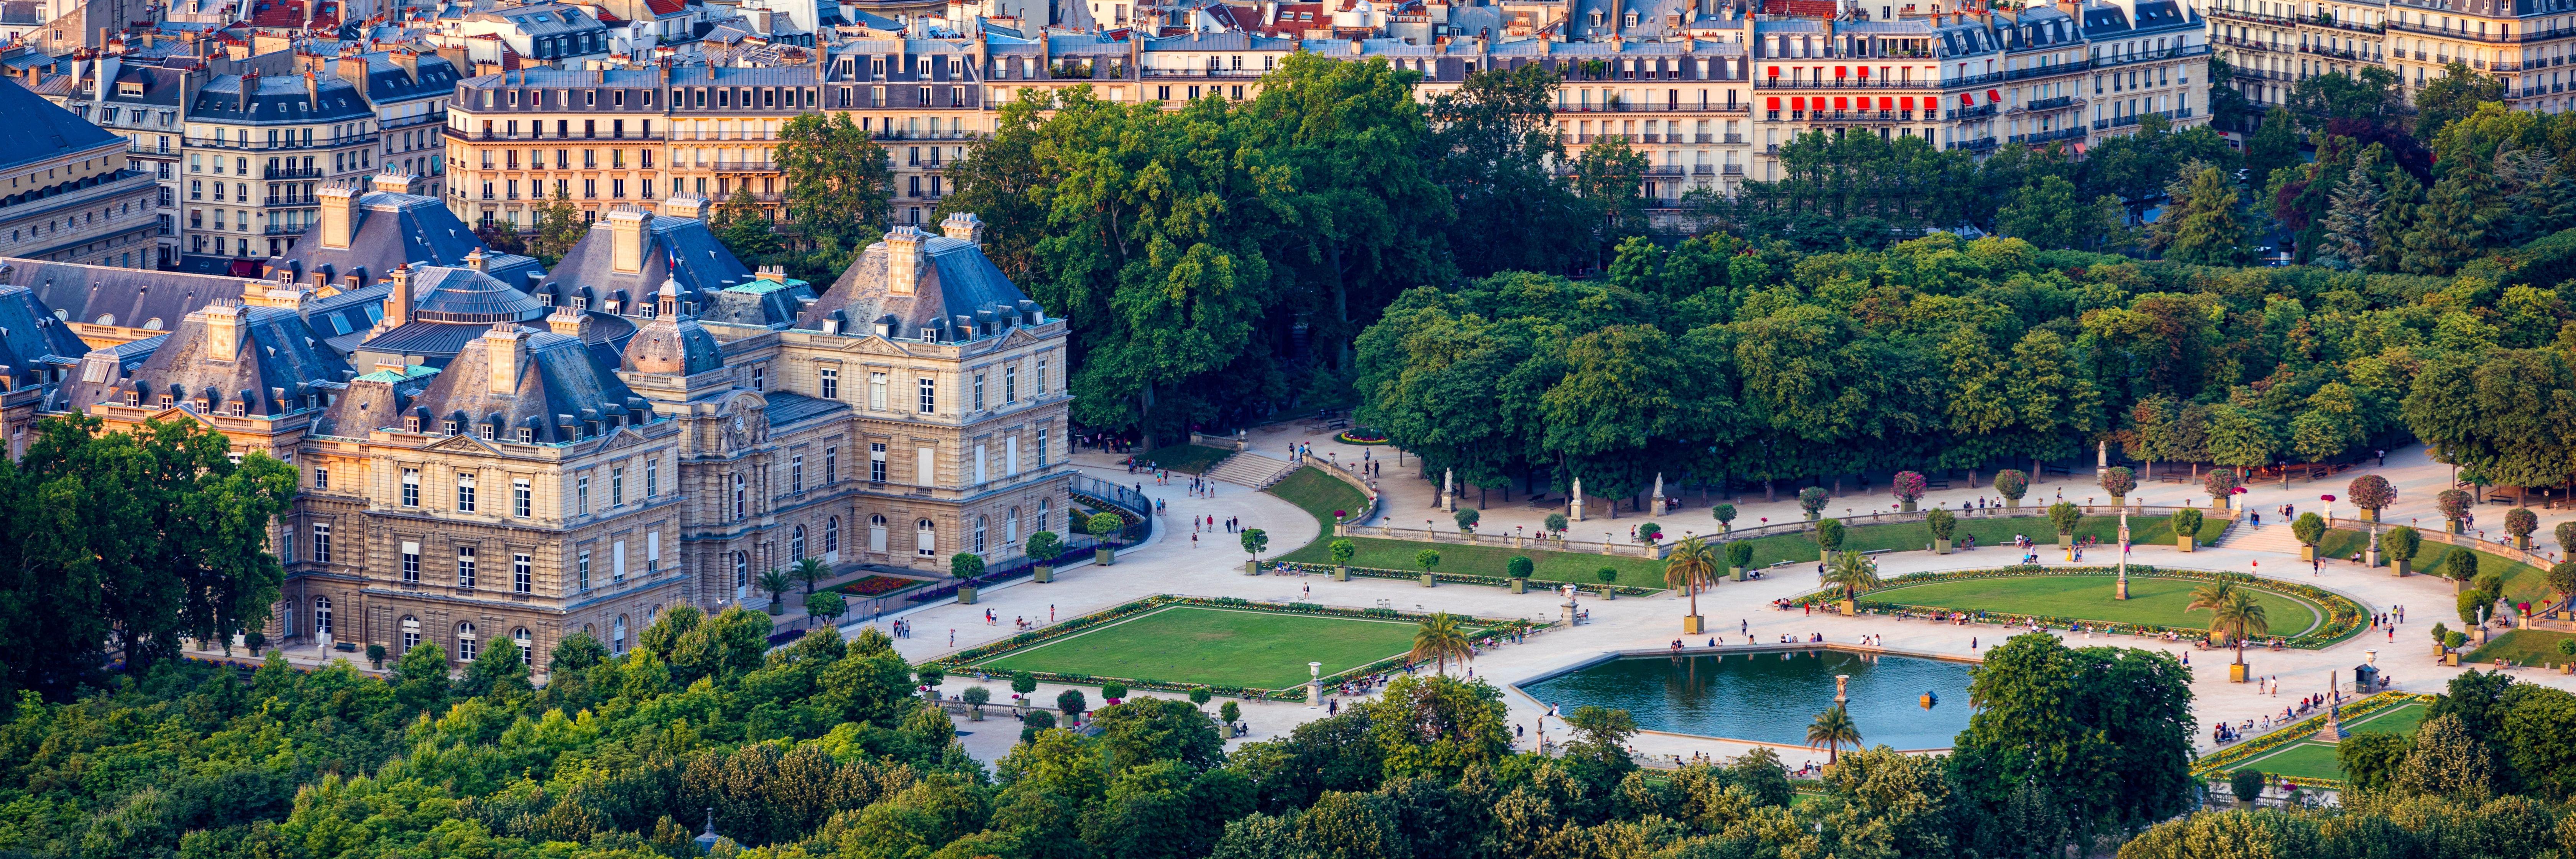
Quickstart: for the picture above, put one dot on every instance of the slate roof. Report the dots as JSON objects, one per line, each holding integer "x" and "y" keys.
{"x": 388, "y": 82}
{"x": 393, "y": 230}
{"x": 276, "y": 363}
{"x": 31, "y": 339}
{"x": 675, "y": 249}
{"x": 277, "y": 99}
{"x": 787, "y": 408}
{"x": 134, "y": 298}
{"x": 564, "y": 393}
{"x": 960, "y": 295}
{"x": 39, "y": 131}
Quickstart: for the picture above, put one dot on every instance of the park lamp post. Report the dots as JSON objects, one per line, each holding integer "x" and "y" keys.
{"x": 2122, "y": 585}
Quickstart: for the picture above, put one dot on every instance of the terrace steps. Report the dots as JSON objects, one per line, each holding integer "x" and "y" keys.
{"x": 2274, "y": 537}
{"x": 1251, "y": 469}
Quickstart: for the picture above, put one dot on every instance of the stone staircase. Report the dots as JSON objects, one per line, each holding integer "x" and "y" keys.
{"x": 1251, "y": 469}
{"x": 2275, "y": 537}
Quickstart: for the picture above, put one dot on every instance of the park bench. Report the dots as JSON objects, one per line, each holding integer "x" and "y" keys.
{"x": 1875, "y": 552}
{"x": 1936, "y": 483}
{"x": 1337, "y": 423}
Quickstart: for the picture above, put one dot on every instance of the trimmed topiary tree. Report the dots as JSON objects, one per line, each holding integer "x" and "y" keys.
{"x": 1725, "y": 516}
{"x": 2562, "y": 579}
{"x": 1812, "y": 500}
{"x": 1942, "y": 523}
{"x": 1739, "y": 554}
{"x": 1649, "y": 532}
{"x": 2118, "y": 481}
{"x": 1554, "y": 523}
{"x": 2064, "y": 515}
{"x": 1071, "y": 703}
{"x": 2454, "y": 505}
{"x": 1909, "y": 487}
{"x": 1519, "y": 567}
{"x": 2401, "y": 544}
{"x": 2012, "y": 484}
{"x": 1467, "y": 517}
{"x": 1113, "y": 692}
{"x": 2520, "y": 522}
{"x": 2220, "y": 483}
{"x": 2246, "y": 784}
{"x": 2371, "y": 493}
{"x": 1829, "y": 536}
{"x": 2567, "y": 539}
{"x": 2459, "y": 564}
{"x": 2186, "y": 527}
{"x": 2309, "y": 528}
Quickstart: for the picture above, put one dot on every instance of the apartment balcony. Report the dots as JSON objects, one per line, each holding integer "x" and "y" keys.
{"x": 2355, "y": 56}
{"x": 264, "y": 146}
{"x": 1665, "y": 170}
{"x": 1703, "y": 169}
{"x": 2251, "y": 17}
{"x": 1967, "y": 113}
{"x": 2049, "y": 103}
{"x": 2347, "y": 26}
{"x": 2151, "y": 56}
{"x": 2074, "y": 132}
{"x": 1848, "y": 83}
{"x": 743, "y": 166}
{"x": 1978, "y": 145}
{"x": 2250, "y": 44}
{"x": 290, "y": 173}
{"x": 1734, "y": 169}
{"x": 2044, "y": 71}
{"x": 287, "y": 230}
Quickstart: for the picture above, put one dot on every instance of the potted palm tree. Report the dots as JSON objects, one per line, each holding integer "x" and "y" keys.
{"x": 1439, "y": 639}
{"x": 1943, "y": 525}
{"x": 2401, "y": 542}
{"x": 2186, "y": 528}
{"x": 1106, "y": 525}
{"x": 1739, "y": 555}
{"x": 811, "y": 571}
{"x": 1852, "y": 573}
{"x": 1342, "y": 551}
{"x": 1832, "y": 730}
{"x": 1693, "y": 563}
{"x": 1254, "y": 541}
{"x": 965, "y": 566}
{"x": 1043, "y": 548}
{"x": 1426, "y": 559}
{"x": 2065, "y": 515}
{"x": 777, "y": 582}
{"x": 2234, "y": 615}
{"x": 2309, "y": 528}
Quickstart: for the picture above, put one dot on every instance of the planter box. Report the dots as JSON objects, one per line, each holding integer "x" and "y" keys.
{"x": 2370, "y": 515}
{"x": 1909, "y": 506}
{"x": 1426, "y": 580}
{"x": 1824, "y": 555}
{"x": 1520, "y": 586}
{"x": 2307, "y": 553}
{"x": 1045, "y": 573}
{"x": 2187, "y": 542}
{"x": 2237, "y": 671}
{"x": 1735, "y": 573}
{"x": 974, "y": 714}
{"x": 2012, "y": 503}
{"x": 1609, "y": 593}
{"x": 2450, "y": 526}
{"x": 2522, "y": 541}
{"x": 1693, "y": 624}
{"x": 965, "y": 596}
{"x": 1342, "y": 572}
{"x": 2401, "y": 567}
{"x": 1940, "y": 547}
{"x": 1850, "y": 608}
{"x": 1104, "y": 556}
{"x": 2066, "y": 541}
{"x": 1252, "y": 568}
{"x": 2451, "y": 659}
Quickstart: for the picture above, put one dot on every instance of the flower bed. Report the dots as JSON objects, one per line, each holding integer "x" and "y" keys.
{"x": 1454, "y": 578}
{"x": 2219, "y": 763}
{"x": 877, "y": 586}
{"x": 956, "y": 663}
{"x": 1360, "y": 435}
{"x": 2344, "y": 618}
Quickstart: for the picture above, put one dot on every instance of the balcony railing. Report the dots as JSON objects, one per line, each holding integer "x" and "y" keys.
{"x": 2068, "y": 133}
{"x": 291, "y": 201}
{"x": 2042, "y": 71}
{"x": 1734, "y": 169}
{"x": 2135, "y": 118}
{"x": 2253, "y": 17}
{"x": 743, "y": 166}
{"x": 263, "y": 146}
{"x": 2050, "y": 103}
{"x": 1983, "y": 110}
{"x": 1978, "y": 145}
{"x": 288, "y": 229}
{"x": 2110, "y": 60}
{"x": 290, "y": 173}
{"x": 2464, "y": 35}
{"x": 1849, "y": 83}
{"x": 2350, "y": 26}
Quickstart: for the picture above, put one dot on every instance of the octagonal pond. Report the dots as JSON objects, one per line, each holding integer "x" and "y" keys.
{"x": 1772, "y": 696}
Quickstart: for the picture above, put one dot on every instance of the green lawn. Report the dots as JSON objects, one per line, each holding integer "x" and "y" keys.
{"x": 1215, "y": 647}
{"x": 2153, "y": 601}
{"x": 2522, "y": 582}
{"x": 1578, "y": 567}
{"x": 1319, "y": 494}
{"x": 1186, "y": 458}
{"x": 1913, "y": 536}
{"x": 2522, "y": 647}
{"x": 2318, "y": 760}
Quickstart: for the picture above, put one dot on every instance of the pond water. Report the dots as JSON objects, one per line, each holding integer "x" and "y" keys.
{"x": 1772, "y": 697}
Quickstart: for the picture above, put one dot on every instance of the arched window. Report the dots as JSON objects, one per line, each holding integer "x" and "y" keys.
{"x": 527, "y": 646}
{"x": 979, "y": 535}
{"x": 465, "y": 642}
{"x": 322, "y": 615}
{"x": 876, "y": 533}
{"x": 1042, "y": 514}
{"x": 832, "y": 535}
{"x": 1011, "y": 527}
{"x": 796, "y": 543}
{"x": 925, "y": 541}
{"x": 410, "y": 633}
{"x": 617, "y": 635}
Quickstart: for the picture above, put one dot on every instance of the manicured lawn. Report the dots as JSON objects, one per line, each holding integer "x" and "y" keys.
{"x": 1216, "y": 647}
{"x": 1319, "y": 494}
{"x": 1861, "y": 536}
{"x": 1578, "y": 567}
{"x": 2401, "y": 720}
{"x": 2522, "y": 582}
{"x": 2522, "y": 647}
{"x": 2300, "y": 760}
{"x": 1186, "y": 458}
{"x": 2155, "y": 601}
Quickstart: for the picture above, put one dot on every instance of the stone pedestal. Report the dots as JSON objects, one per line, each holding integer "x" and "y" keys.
{"x": 1566, "y": 612}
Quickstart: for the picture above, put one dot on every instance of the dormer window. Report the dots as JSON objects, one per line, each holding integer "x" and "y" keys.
{"x": 411, "y": 424}
{"x": 133, "y": 399}
{"x": 483, "y": 431}
{"x": 201, "y": 404}
{"x": 241, "y": 410}
{"x": 527, "y": 435}
{"x": 929, "y": 335}
{"x": 447, "y": 427}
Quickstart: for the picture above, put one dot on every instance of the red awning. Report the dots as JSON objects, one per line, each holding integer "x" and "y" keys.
{"x": 1885, "y": 103}
{"x": 1967, "y": 99}
{"x": 1841, "y": 103}
{"x": 1797, "y": 104}
{"x": 1775, "y": 103}
{"x": 1864, "y": 71}
{"x": 1775, "y": 71}
{"x": 1909, "y": 102}
{"x": 1993, "y": 97}
{"x": 1838, "y": 71}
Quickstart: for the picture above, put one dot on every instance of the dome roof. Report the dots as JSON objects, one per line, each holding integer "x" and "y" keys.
{"x": 467, "y": 296}
{"x": 673, "y": 346}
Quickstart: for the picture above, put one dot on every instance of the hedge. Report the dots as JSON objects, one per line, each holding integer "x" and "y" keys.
{"x": 2344, "y": 617}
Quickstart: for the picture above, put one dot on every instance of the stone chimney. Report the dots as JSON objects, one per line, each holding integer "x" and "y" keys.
{"x": 408, "y": 61}
{"x": 569, "y": 322}
{"x": 964, "y": 227}
{"x": 223, "y": 330}
{"x": 339, "y": 214}
{"x": 398, "y": 302}
{"x": 474, "y": 260}
{"x": 353, "y": 70}
{"x": 392, "y": 181}
{"x": 626, "y": 241}
{"x": 904, "y": 260}
{"x": 692, "y": 208}
{"x": 505, "y": 348}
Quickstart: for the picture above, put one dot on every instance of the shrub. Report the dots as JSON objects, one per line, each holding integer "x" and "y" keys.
{"x": 2012, "y": 483}
{"x": 1199, "y": 696}
{"x": 1467, "y": 517}
{"x": 1071, "y": 702}
{"x": 1739, "y": 553}
{"x": 965, "y": 565}
{"x": 1555, "y": 523}
{"x": 2567, "y": 538}
{"x": 2118, "y": 481}
{"x": 826, "y": 604}
{"x": 1229, "y": 711}
{"x": 2371, "y": 492}
{"x": 1113, "y": 692}
{"x": 2401, "y": 542}
{"x": 1606, "y": 575}
{"x": 1942, "y": 523}
{"x": 2246, "y": 784}
{"x": 2186, "y": 522}
{"x": 2520, "y": 522}
{"x": 1649, "y": 532}
{"x": 1426, "y": 559}
{"x": 2562, "y": 578}
{"x": 2460, "y": 565}
{"x": 2472, "y": 601}
{"x": 1908, "y": 485}
{"x": 2221, "y": 482}
{"x": 2309, "y": 528}
{"x": 976, "y": 697}
{"x": 1519, "y": 567}
{"x": 1829, "y": 535}
{"x": 2065, "y": 515}
{"x": 1035, "y": 721}
{"x": 1343, "y": 550}
{"x": 1812, "y": 499}
{"x": 1043, "y": 547}
{"x": 2454, "y": 503}
{"x": 1725, "y": 515}
{"x": 2454, "y": 639}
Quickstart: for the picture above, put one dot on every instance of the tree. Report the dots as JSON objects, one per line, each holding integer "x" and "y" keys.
{"x": 1830, "y": 534}
{"x": 2401, "y": 543}
{"x": 2118, "y": 481}
{"x": 976, "y": 697}
{"x": 2050, "y": 214}
{"x": 840, "y": 184}
{"x": 1610, "y": 178}
{"x": 2370, "y": 759}
{"x": 2274, "y": 146}
{"x": 2349, "y": 242}
{"x": 2220, "y": 483}
{"x": 2454, "y": 224}
{"x": 745, "y": 228}
{"x": 2246, "y": 784}
{"x": 2064, "y": 515}
{"x": 1466, "y": 517}
{"x": 2448, "y": 761}
{"x": 966, "y": 566}
{"x": 811, "y": 571}
{"x": 1852, "y": 573}
{"x": 2233, "y": 614}
{"x": 2456, "y": 94}
{"x": 777, "y": 582}
{"x": 1107, "y": 526}
{"x": 2460, "y": 565}
{"x": 1942, "y": 523}
{"x": 2012, "y": 483}
{"x": 1439, "y": 639}
{"x": 1426, "y": 559}
{"x": 1519, "y": 567}
{"x": 1342, "y": 550}
{"x": 2108, "y": 730}
{"x": 2371, "y": 492}
{"x": 556, "y": 227}
{"x": 1493, "y": 142}
{"x": 1691, "y": 566}
{"x": 2309, "y": 528}
{"x": 1832, "y": 730}
{"x": 1725, "y": 516}
{"x": 1255, "y": 541}
{"x": 2207, "y": 227}
{"x": 1043, "y": 548}
{"x": 1436, "y": 726}
{"x": 1143, "y": 731}
{"x": 827, "y": 605}
{"x": 1070, "y": 702}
